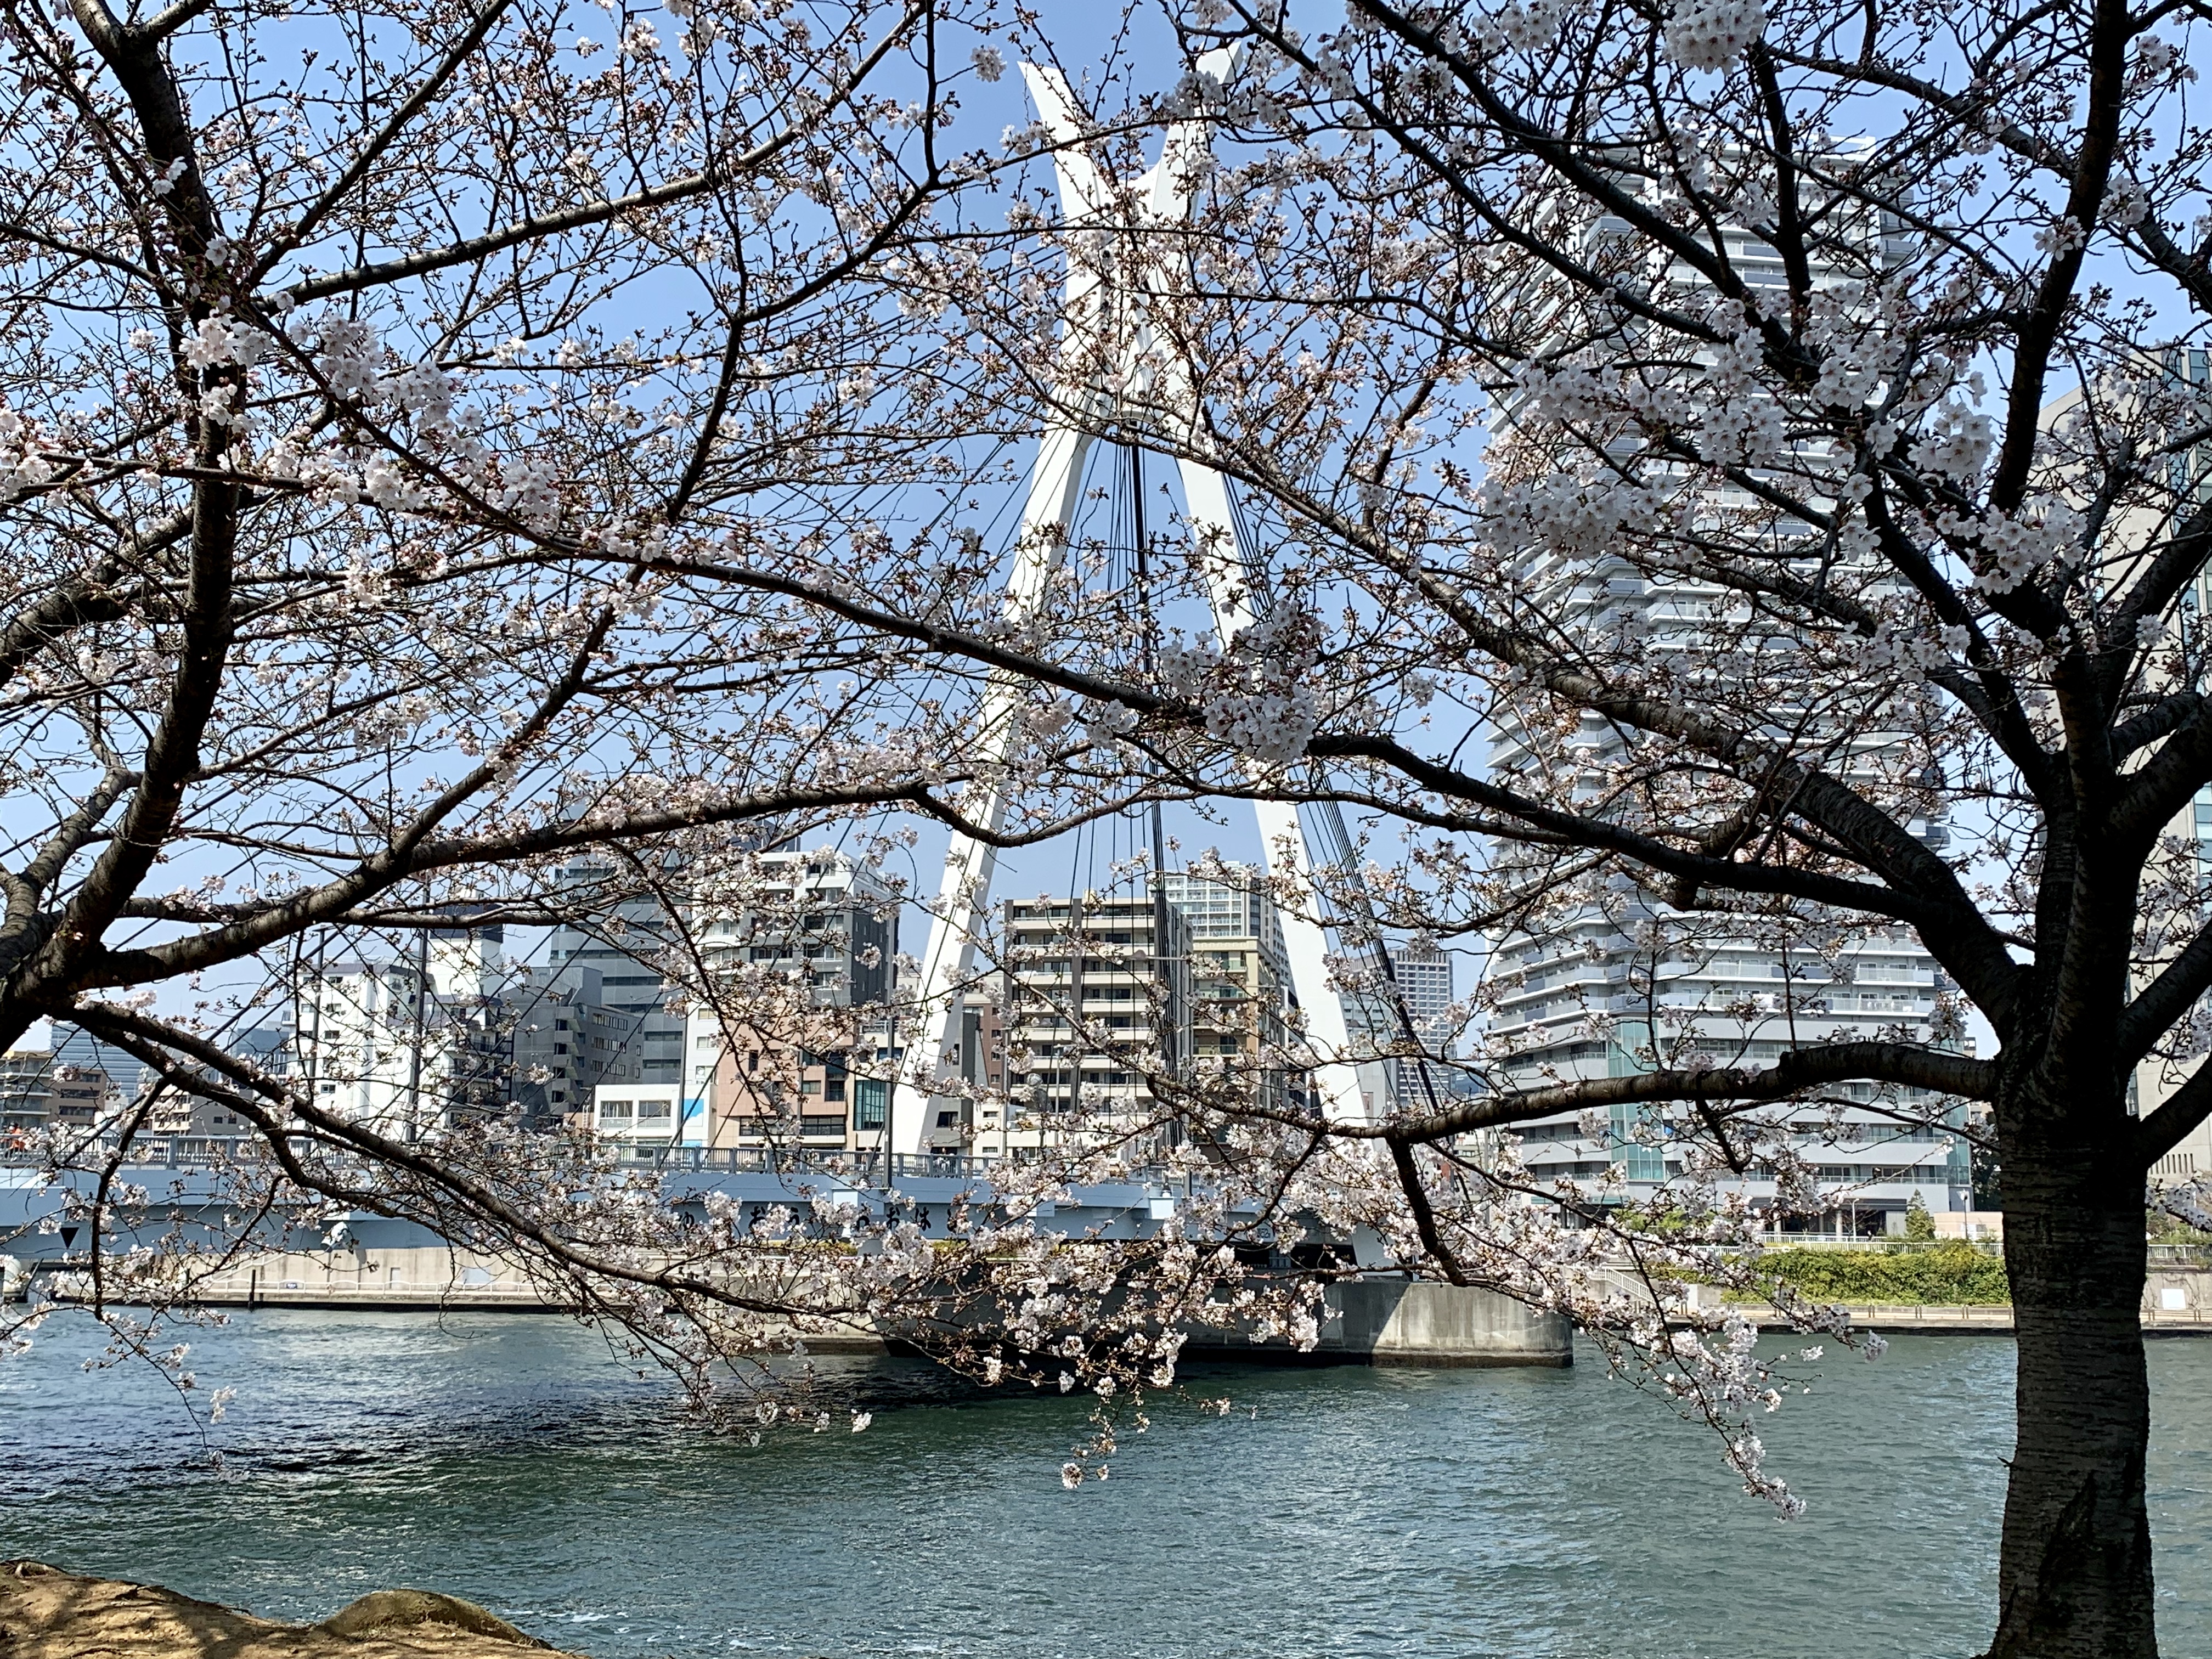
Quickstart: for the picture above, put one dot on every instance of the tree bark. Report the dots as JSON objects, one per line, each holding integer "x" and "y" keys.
{"x": 2074, "y": 1573}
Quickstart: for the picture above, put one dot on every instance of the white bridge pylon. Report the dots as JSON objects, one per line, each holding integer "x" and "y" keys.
{"x": 1106, "y": 337}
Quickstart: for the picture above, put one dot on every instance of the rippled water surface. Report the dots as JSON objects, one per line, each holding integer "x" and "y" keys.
{"x": 1534, "y": 1514}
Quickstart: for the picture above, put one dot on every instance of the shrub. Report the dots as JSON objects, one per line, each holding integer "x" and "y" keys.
{"x": 1953, "y": 1272}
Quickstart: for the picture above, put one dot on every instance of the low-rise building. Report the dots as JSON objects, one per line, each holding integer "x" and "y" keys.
{"x": 196, "y": 1118}
{"x": 635, "y": 1114}
{"x": 768, "y": 1090}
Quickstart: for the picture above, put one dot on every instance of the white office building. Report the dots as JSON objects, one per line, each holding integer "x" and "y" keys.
{"x": 407, "y": 1046}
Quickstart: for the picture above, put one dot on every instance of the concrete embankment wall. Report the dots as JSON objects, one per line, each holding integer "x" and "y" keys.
{"x": 1412, "y": 1322}
{"x": 1382, "y": 1321}
{"x": 1397, "y": 1321}
{"x": 387, "y": 1278}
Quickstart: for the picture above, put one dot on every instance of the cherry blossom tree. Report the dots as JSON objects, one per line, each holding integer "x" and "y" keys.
{"x": 340, "y": 457}
{"x": 374, "y": 558}
{"x": 359, "y": 367}
{"x": 1775, "y": 434}
{"x": 444, "y": 446}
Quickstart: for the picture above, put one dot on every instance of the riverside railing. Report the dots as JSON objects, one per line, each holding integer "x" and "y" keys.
{"x": 202, "y": 1151}
{"x": 1886, "y": 1244}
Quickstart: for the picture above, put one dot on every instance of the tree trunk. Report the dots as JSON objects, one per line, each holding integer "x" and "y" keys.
{"x": 2074, "y": 1575}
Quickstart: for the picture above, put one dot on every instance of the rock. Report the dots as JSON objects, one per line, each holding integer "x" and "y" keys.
{"x": 397, "y": 1609}
{"x": 47, "y": 1613}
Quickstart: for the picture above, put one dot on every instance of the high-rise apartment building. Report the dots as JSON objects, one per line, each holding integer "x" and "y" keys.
{"x": 39, "y": 1093}
{"x": 1098, "y": 1001}
{"x": 1586, "y": 1002}
{"x": 1240, "y": 978}
{"x": 1423, "y": 976}
{"x": 1232, "y": 902}
{"x": 1422, "y": 988}
{"x": 1614, "y": 979}
{"x": 2188, "y": 476}
{"x": 1074, "y": 968}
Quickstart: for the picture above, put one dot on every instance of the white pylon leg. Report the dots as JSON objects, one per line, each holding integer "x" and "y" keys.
{"x": 1227, "y": 564}
{"x": 948, "y": 962}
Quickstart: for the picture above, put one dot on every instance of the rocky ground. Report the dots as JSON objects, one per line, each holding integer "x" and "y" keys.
{"x": 47, "y": 1613}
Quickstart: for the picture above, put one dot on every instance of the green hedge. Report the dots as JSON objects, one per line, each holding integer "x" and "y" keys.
{"x": 1951, "y": 1273}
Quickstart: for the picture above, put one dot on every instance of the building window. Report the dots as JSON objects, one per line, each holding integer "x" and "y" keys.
{"x": 870, "y": 1101}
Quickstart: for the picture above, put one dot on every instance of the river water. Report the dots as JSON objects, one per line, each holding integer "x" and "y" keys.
{"x": 1345, "y": 1513}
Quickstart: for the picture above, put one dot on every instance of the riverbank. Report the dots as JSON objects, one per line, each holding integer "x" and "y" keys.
{"x": 2177, "y": 1300}
{"x": 1945, "y": 1286}
{"x": 46, "y": 1612}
